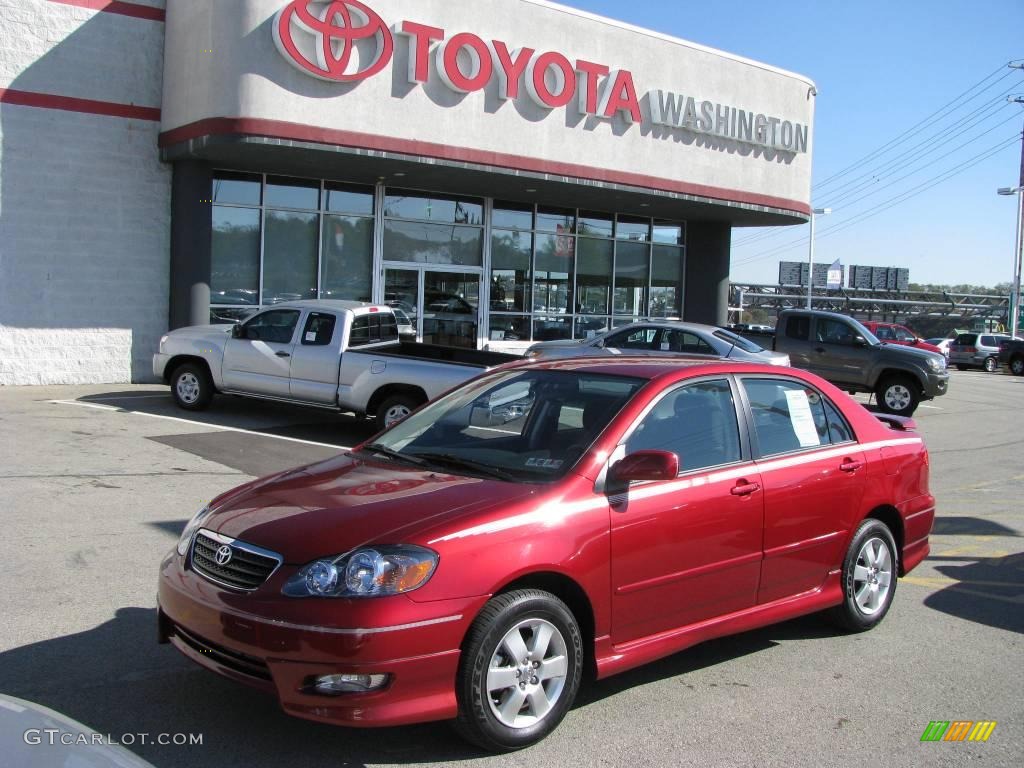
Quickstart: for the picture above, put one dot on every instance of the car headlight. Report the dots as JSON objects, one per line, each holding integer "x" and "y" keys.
{"x": 937, "y": 363}
{"x": 532, "y": 354}
{"x": 163, "y": 340}
{"x": 190, "y": 528}
{"x": 365, "y": 572}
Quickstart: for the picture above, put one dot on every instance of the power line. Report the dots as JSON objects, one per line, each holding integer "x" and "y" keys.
{"x": 885, "y": 147}
{"x": 923, "y": 148}
{"x": 891, "y": 202}
{"x": 939, "y": 139}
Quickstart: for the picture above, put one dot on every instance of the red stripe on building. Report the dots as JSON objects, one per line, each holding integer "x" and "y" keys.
{"x": 135, "y": 10}
{"x": 71, "y": 104}
{"x": 277, "y": 129}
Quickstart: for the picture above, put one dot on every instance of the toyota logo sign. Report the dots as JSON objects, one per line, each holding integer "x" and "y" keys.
{"x": 340, "y": 40}
{"x": 223, "y": 555}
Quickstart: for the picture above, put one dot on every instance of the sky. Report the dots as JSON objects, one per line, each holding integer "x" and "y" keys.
{"x": 880, "y": 69}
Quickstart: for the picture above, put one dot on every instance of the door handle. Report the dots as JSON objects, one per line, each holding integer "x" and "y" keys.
{"x": 851, "y": 465}
{"x": 743, "y": 488}
{"x": 282, "y": 354}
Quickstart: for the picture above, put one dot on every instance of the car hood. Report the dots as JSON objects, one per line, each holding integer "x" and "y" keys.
{"x": 558, "y": 344}
{"x": 901, "y": 351}
{"x": 334, "y": 506}
{"x": 199, "y": 331}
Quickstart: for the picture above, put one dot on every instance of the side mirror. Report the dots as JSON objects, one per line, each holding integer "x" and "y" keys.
{"x": 238, "y": 332}
{"x": 916, "y": 341}
{"x": 859, "y": 341}
{"x": 645, "y": 465}
{"x": 600, "y": 343}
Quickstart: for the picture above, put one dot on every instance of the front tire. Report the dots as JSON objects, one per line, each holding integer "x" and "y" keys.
{"x": 1017, "y": 366}
{"x": 191, "y": 387}
{"x": 869, "y": 578}
{"x": 519, "y": 672}
{"x": 991, "y": 364}
{"x": 898, "y": 395}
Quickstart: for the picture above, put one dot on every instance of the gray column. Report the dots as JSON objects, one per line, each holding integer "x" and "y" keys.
{"x": 191, "y": 225}
{"x": 707, "y": 272}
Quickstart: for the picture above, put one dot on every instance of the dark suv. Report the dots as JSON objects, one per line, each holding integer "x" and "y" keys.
{"x": 841, "y": 350}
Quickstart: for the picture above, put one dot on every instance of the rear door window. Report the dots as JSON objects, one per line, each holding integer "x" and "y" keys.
{"x": 319, "y": 329}
{"x": 798, "y": 328}
{"x": 790, "y": 416}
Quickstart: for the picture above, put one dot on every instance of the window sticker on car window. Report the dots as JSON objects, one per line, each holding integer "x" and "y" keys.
{"x": 544, "y": 463}
{"x": 801, "y": 419}
{"x": 310, "y": 335}
{"x": 664, "y": 346}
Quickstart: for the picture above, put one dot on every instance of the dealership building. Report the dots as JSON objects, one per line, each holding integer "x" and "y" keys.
{"x": 526, "y": 170}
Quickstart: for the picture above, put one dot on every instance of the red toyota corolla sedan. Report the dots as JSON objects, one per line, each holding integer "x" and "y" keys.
{"x": 470, "y": 562}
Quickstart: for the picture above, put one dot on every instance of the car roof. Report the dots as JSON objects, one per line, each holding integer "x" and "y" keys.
{"x": 335, "y": 304}
{"x": 677, "y": 324}
{"x": 647, "y": 367}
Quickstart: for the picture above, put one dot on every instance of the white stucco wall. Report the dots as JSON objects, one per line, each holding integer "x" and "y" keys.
{"x": 84, "y": 200}
{"x": 246, "y": 77}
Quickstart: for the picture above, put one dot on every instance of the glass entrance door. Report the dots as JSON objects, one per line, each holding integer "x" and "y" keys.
{"x": 442, "y": 307}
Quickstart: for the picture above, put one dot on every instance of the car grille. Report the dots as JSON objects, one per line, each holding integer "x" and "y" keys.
{"x": 247, "y": 568}
{"x": 239, "y": 662}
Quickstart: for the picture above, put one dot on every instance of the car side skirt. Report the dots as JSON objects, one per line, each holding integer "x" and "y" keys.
{"x": 612, "y": 659}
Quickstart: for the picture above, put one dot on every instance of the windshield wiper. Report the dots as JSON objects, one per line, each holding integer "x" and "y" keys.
{"x": 383, "y": 450}
{"x": 452, "y": 460}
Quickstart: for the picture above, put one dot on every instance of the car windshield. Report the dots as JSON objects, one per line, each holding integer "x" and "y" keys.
{"x": 869, "y": 337}
{"x": 731, "y": 338}
{"x": 518, "y": 425}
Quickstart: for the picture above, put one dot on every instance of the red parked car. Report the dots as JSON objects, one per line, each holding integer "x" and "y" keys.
{"x": 472, "y": 560}
{"x": 899, "y": 334}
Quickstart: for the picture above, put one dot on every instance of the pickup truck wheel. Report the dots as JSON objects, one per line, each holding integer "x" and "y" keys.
{"x": 394, "y": 409}
{"x": 1017, "y": 366}
{"x": 869, "y": 578}
{"x": 519, "y": 671}
{"x": 991, "y": 364}
{"x": 898, "y": 395}
{"x": 191, "y": 387}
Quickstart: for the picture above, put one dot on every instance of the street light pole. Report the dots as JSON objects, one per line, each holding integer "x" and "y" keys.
{"x": 1018, "y": 242}
{"x": 810, "y": 253}
{"x": 1018, "y": 252}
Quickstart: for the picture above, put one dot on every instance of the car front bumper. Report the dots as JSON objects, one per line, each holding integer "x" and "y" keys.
{"x": 280, "y": 645}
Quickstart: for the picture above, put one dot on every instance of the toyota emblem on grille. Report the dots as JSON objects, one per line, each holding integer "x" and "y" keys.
{"x": 223, "y": 555}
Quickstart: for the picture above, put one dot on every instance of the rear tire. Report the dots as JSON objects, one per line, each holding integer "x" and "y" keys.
{"x": 898, "y": 395}
{"x": 1017, "y": 366}
{"x": 191, "y": 387}
{"x": 869, "y": 578}
{"x": 519, "y": 672}
{"x": 394, "y": 409}
{"x": 991, "y": 364}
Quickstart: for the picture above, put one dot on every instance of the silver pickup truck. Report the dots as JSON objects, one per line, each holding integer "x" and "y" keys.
{"x": 341, "y": 355}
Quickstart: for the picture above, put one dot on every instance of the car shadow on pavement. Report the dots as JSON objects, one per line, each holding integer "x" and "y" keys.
{"x": 249, "y": 414}
{"x": 987, "y": 591}
{"x": 116, "y": 679}
{"x": 709, "y": 654}
{"x": 970, "y": 526}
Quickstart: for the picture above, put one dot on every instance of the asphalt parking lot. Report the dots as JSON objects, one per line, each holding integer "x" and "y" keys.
{"x": 98, "y": 482}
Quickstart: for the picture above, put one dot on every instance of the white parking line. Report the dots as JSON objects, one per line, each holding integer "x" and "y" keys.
{"x": 933, "y": 407}
{"x": 100, "y": 407}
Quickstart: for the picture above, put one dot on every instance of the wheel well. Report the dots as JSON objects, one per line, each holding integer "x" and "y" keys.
{"x": 174, "y": 362}
{"x": 572, "y": 594}
{"x": 896, "y": 372}
{"x": 894, "y": 523}
{"x": 390, "y": 390}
